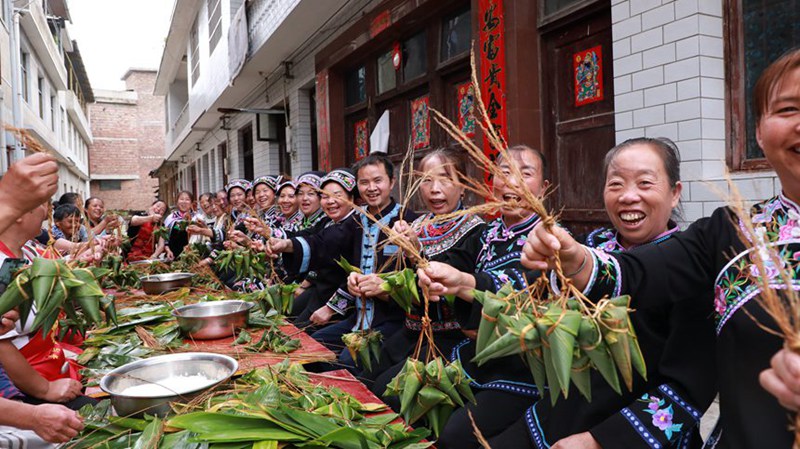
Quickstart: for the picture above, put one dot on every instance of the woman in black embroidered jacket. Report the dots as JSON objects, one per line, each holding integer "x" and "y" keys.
{"x": 360, "y": 241}
{"x": 442, "y": 194}
{"x": 503, "y": 387}
{"x": 642, "y": 188}
{"x": 709, "y": 262}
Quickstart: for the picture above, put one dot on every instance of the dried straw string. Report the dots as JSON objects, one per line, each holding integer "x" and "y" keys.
{"x": 527, "y": 199}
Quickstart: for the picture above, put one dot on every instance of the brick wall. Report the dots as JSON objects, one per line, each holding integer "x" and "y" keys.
{"x": 669, "y": 80}
{"x": 128, "y": 129}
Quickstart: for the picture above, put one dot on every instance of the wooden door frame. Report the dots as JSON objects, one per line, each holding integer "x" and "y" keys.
{"x": 552, "y": 34}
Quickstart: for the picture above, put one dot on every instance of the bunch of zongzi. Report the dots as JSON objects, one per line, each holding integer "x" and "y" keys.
{"x": 432, "y": 390}
{"x": 279, "y": 297}
{"x": 243, "y": 263}
{"x": 50, "y": 286}
{"x": 561, "y": 340}
{"x": 400, "y": 285}
{"x": 364, "y": 346}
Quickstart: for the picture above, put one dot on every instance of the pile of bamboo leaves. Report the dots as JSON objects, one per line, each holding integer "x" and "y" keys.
{"x": 50, "y": 286}
{"x": 142, "y": 330}
{"x": 266, "y": 408}
{"x": 118, "y": 276}
{"x": 273, "y": 339}
{"x": 561, "y": 340}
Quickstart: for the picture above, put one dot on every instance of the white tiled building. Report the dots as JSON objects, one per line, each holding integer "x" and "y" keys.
{"x": 670, "y": 80}
{"x": 45, "y": 88}
{"x": 274, "y": 85}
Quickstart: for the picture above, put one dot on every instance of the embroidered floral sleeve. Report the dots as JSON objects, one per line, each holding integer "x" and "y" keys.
{"x": 605, "y": 280}
{"x": 660, "y": 418}
{"x": 341, "y": 301}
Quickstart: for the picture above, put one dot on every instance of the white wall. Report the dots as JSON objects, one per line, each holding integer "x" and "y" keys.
{"x": 669, "y": 80}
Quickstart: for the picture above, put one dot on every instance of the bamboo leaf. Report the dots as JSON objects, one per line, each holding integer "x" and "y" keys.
{"x": 151, "y": 435}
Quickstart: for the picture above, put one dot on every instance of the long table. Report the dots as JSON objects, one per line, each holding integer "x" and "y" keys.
{"x": 310, "y": 350}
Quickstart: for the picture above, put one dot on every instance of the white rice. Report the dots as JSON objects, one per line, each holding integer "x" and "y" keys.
{"x": 169, "y": 386}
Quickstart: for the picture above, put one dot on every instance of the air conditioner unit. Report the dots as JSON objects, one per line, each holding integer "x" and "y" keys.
{"x": 266, "y": 128}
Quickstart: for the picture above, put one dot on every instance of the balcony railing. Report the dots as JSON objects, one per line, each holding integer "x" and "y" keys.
{"x": 180, "y": 122}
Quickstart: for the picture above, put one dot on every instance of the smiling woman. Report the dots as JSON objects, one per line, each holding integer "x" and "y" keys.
{"x": 713, "y": 266}
{"x": 642, "y": 188}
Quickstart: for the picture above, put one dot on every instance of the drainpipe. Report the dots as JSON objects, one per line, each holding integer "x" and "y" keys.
{"x": 3, "y": 160}
{"x": 16, "y": 79}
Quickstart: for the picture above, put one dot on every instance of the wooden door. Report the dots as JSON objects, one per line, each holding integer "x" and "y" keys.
{"x": 579, "y": 115}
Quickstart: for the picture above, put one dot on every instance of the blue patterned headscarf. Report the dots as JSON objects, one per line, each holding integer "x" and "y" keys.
{"x": 312, "y": 178}
{"x": 284, "y": 184}
{"x": 342, "y": 176}
{"x": 240, "y": 183}
{"x": 270, "y": 181}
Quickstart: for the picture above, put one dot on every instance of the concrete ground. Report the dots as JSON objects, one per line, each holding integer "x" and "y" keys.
{"x": 709, "y": 419}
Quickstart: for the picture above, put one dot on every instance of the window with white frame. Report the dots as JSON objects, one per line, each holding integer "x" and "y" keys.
{"x": 214, "y": 24}
{"x": 53, "y": 118}
{"x": 63, "y": 117}
{"x": 195, "y": 52}
{"x": 24, "y": 67}
{"x": 40, "y": 89}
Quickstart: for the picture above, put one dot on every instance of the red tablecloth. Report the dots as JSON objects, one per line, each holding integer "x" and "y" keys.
{"x": 310, "y": 350}
{"x": 347, "y": 382}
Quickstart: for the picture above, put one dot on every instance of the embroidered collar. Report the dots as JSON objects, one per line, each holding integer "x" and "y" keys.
{"x": 439, "y": 237}
{"x": 293, "y": 222}
{"x": 312, "y": 220}
{"x": 787, "y": 203}
{"x": 371, "y": 232}
{"x": 607, "y": 239}
{"x": 498, "y": 231}
{"x": 501, "y": 248}
{"x": 777, "y": 223}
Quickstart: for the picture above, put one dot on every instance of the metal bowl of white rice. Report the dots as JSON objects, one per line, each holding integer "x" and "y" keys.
{"x": 149, "y": 386}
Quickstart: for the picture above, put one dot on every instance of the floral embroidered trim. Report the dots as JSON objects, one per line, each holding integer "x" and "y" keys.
{"x": 293, "y": 223}
{"x": 498, "y": 239}
{"x": 606, "y": 268}
{"x": 437, "y": 238}
{"x": 734, "y": 286}
{"x": 341, "y": 301}
{"x": 662, "y": 416}
{"x": 640, "y": 428}
{"x": 607, "y": 239}
{"x": 664, "y": 388}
